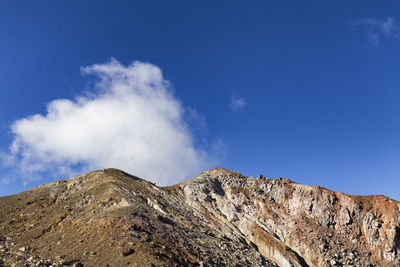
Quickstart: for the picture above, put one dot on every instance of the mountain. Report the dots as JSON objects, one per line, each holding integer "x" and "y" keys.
{"x": 218, "y": 218}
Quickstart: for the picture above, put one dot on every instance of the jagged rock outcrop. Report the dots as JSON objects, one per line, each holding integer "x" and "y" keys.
{"x": 218, "y": 218}
{"x": 299, "y": 225}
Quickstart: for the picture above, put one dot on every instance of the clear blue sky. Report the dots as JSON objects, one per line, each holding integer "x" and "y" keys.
{"x": 307, "y": 90}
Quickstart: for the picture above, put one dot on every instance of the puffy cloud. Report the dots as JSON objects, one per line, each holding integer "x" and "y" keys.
{"x": 377, "y": 28}
{"x": 130, "y": 121}
{"x": 237, "y": 104}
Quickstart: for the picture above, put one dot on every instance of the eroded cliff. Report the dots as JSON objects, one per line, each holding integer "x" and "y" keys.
{"x": 299, "y": 225}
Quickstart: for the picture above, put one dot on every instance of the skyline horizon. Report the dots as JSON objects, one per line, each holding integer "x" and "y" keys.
{"x": 307, "y": 91}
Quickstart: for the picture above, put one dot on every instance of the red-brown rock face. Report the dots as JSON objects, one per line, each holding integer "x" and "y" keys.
{"x": 298, "y": 225}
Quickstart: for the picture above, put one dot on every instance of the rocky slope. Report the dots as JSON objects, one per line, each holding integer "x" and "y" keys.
{"x": 219, "y": 218}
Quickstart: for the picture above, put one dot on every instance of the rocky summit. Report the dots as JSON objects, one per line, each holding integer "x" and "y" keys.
{"x": 218, "y": 218}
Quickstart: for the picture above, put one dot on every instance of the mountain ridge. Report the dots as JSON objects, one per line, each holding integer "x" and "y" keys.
{"x": 218, "y": 218}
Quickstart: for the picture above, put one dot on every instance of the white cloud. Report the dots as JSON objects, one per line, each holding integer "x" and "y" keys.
{"x": 237, "y": 104}
{"x": 131, "y": 121}
{"x": 376, "y": 29}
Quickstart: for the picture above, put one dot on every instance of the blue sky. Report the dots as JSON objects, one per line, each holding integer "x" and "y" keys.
{"x": 307, "y": 90}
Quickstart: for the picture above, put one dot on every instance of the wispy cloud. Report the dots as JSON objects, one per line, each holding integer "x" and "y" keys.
{"x": 196, "y": 120}
{"x": 237, "y": 104}
{"x": 376, "y": 29}
{"x": 130, "y": 121}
